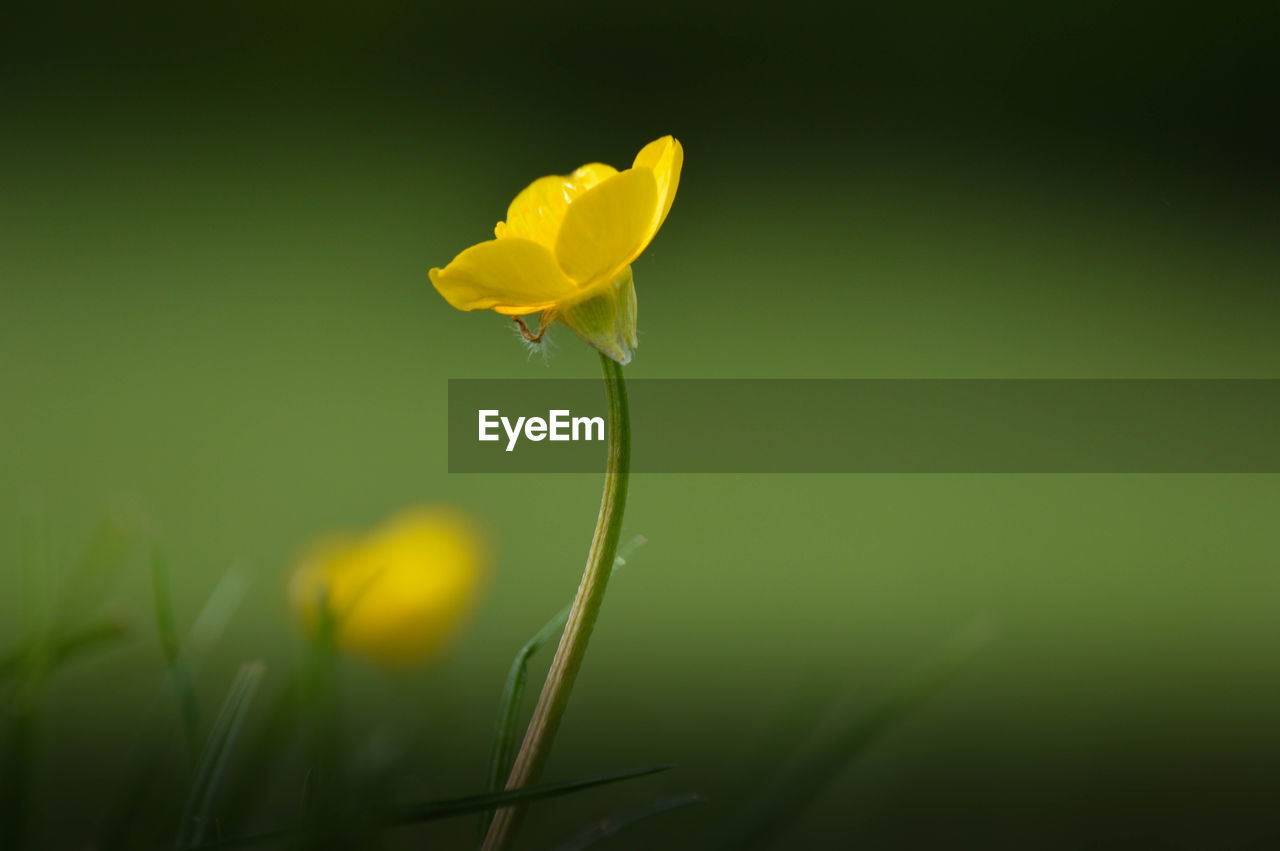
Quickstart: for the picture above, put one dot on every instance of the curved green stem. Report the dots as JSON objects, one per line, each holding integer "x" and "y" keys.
{"x": 545, "y": 722}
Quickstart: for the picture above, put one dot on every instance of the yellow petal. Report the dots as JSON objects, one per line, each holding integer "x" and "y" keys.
{"x": 607, "y": 226}
{"x": 536, "y": 213}
{"x": 666, "y": 157}
{"x": 510, "y": 275}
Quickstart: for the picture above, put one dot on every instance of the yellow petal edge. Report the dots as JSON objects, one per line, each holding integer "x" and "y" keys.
{"x": 510, "y": 275}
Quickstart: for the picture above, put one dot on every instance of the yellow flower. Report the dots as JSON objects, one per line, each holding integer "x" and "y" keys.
{"x": 566, "y": 249}
{"x": 397, "y": 594}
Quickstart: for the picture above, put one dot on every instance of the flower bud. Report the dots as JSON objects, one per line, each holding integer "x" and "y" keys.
{"x": 397, "y": 594}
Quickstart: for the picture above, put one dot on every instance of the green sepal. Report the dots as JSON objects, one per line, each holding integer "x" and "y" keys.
{"x": 606, "y": 319}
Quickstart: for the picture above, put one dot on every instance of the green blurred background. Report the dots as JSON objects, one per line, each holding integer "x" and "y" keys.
{"x": 215, "y": 226}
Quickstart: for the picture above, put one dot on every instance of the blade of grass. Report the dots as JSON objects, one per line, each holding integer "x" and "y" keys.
{"x": 95, "y": 572}
{"x": 52, "y": 637}
{"x": 612, "y": 826}
{"x": 783, "y": 801}
{"x": 437, "y": 810}
{"x": 269, "y": 741}
{"x": 170, "y": 646}
{"x": 216, "y": 755}
{"x": 150, "y": 748}
{"x": 506, "y": 734}
{"x": 330, "y": 815}
{"x": 68, "y": 647}
{"x": 214, "y": 615}
{"x": 20, "y": 707}
{"x": 627, "y": 550}
{"x": 39, "y": 600}
{"x": 506, "y": 797}
{"x": 52, "y": 607}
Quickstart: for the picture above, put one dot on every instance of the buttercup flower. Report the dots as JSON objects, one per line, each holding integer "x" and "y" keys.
{"x": 397, "y": 594}
{"x": 566, "y": 248}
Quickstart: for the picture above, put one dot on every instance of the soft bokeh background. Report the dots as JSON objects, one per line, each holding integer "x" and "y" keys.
{"x": 215, "y": 226}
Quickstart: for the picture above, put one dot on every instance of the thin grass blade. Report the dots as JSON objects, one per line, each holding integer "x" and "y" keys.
{"x": 56, "y": 615}
{"x": 506, "y": 735}
{"x": 436, "y": 810}
{"x": 196, "y": 815}
{"x": 612, "y": 826}
{"x": 93, "y": 575}
{"x": 507, "y": 797}
{"x": 69, "y": 646}
{"x": 627, "y": 550}
{"x": 170, "y": 646}
{"x": 20, "y": 703}
{"x": 845, "y": 739}
{"x": 148, "y": 750}
{"x": 214, "y": 616}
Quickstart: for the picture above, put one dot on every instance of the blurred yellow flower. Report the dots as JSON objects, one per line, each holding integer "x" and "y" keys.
{"x": 566, "y": 249}
{"x": 397, "y": 594}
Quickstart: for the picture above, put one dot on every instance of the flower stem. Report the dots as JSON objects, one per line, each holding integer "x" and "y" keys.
{"x": 545, "y": 722}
